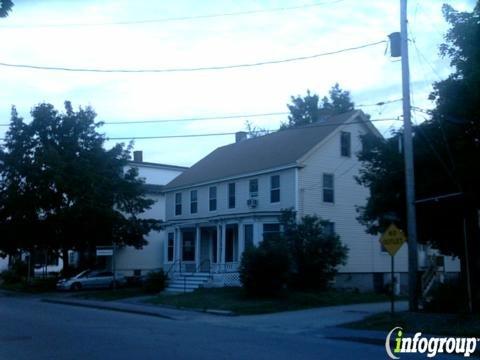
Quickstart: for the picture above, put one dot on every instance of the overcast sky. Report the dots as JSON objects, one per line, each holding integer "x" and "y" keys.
{"x": 53, "y": 33}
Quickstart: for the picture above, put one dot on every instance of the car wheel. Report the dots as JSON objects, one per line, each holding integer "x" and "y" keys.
{"x": 76, "y": 286}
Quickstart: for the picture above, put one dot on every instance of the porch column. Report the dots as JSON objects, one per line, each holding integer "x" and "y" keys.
{"x": 197, "y": 246}
{"x": 241, "y": 241}
{"x": 177, "y": 248}
{"x": 222, "y": 247}
{"x": 219, "y": 244}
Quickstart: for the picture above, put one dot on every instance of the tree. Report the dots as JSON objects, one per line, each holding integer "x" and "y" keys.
{"x": 447, "y": 154}
{"x": 61, "y": 190}
{"x": 5, "y": 7}
{"x": 307, "y": 110}
{"x": 304, "y": 256}
{"x": 315, "y": 250}
{"x": 264, "y": 269}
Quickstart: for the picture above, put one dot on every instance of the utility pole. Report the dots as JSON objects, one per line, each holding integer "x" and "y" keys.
{"x": 409, "y": 169}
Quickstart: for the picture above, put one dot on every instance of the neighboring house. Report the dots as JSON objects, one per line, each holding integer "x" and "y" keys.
{"x": 3, "y": 263}
{"x": 232, "y": 198}
{"x": 128, "y": 260}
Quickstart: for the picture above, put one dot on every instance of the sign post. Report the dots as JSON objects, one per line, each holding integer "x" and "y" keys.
{"x": 392, "y": 240}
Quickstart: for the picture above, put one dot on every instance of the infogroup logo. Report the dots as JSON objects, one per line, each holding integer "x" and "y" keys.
{"x": 431, "y": 346}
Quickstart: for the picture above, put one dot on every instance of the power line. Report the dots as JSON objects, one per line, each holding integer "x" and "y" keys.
{"x": 170, "y": 70}
{"x": 172, "y": 19}
{"x": 221, "y": 117}
{"x": 231, "y": 133}
{"x": 381, "y": 103}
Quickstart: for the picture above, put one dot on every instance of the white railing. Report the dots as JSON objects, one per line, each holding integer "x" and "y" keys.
{"x": 225, "y": 268}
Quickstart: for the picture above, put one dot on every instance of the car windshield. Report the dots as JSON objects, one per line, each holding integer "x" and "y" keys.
{"x": 83, "y": 274}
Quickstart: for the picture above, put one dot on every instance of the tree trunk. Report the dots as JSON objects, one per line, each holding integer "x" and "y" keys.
{"x": 66, "y": 262}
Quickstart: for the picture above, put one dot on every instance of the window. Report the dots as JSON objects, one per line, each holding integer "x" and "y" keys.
{"x": 328, "y": 191}
{"x": 345, "y": 144}
{"x": 231, "y": 195}
{"x": 270, "y": 230}
{"x": 178, "y": 204}
{"x": 193, "y": 202}
{"x": 248, "y": 234}
{"x": 170, "y": 247}
{"x": 275, "y": 188}
{"x": 253, "y": 187}
{"x": 329, "y": 228}
{"x": 213, "y": 198}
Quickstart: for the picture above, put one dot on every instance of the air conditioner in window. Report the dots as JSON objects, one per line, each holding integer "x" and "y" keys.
{"x": 252, "y": 203}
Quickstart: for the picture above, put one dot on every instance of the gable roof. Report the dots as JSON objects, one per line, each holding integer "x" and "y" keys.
{"x": 279, "y": 149}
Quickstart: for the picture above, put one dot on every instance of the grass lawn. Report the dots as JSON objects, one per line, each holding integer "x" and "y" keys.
{"x": 429, "y": 323}
{"x": 109, "y": 294}
{"x": 235, "y": 300}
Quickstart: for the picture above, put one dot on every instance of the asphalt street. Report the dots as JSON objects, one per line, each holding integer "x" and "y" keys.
{"x": 31, "y": 329}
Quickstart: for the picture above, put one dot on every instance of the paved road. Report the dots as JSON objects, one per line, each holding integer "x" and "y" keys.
{"x": 31, "y": 329}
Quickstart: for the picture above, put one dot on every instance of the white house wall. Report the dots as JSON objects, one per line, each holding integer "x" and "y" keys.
{"x": 3, "y": 264}
{"x": 287, "y": 197}
{"x": 151, "y": 256}
{"x": 365, "y": 255}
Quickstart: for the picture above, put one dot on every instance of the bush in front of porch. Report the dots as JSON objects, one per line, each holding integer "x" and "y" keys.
{"x": 304, "y": 257}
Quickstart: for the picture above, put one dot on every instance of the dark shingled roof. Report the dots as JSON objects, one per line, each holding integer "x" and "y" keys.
{"x": 274, "y": 150}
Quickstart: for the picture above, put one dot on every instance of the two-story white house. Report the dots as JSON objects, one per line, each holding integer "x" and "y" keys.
{"x": 233, "y": 197}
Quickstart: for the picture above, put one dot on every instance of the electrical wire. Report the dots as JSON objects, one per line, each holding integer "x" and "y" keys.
{"x": 172, "y": 19}
{"x": 229, "y": 133}
{"x": 192, "y": 69}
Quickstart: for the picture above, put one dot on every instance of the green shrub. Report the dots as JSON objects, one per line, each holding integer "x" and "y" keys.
{"x": 16, "y": 274}
{"x": 264, "y": 269}
{"x": 43, "y": 284}
{"x": 315, "y": 250}
{"x": 449, "y": 297}
{"x": 155, "y": 281}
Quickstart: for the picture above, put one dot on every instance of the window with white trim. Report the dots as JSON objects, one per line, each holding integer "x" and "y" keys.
{"x": 345, "y": 144}
{"x": 178, "y": 204}
{"x": 193, "y": 202}
{"x": 231, "y": 195}
{"x": 275, "y": 188}
{"x": 328, "y": 188}
{"x": 212, "y": 195}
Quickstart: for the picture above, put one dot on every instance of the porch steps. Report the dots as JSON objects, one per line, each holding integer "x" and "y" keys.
{"x": 187, "y": 282}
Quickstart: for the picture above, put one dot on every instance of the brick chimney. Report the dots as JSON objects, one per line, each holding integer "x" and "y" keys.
{"x": 240, "y": 136}
{"x": 138, "y": 156}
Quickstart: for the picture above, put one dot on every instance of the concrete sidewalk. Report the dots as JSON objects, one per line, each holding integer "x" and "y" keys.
{"x": 317, "y": 321}
{"x": 311, "y": 320}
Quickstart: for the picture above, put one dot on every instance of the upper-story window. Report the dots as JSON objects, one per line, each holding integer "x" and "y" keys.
{"x": 212, "y": 192}
{"x": 231, "y": 195}
{"x": 275, "y": 188}
{"x": 345, "y": 144}
{"x": 193, "y": 201}
{"x": 328, "y": 189}
{"x": 178, "y": 204}
{"x": 253, "y": 187}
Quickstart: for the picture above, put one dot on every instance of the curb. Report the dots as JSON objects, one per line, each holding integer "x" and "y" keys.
{"x": 110, "y": 307}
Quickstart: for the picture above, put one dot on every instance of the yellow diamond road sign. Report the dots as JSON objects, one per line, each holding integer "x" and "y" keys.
{"x": 393, "y": 239}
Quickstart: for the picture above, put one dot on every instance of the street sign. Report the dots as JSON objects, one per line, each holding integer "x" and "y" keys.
{"x": 393, "y": 239}
{"x": 105, "y": 251}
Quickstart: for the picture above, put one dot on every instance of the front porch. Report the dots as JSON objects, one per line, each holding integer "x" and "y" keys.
{"x": 207, "y": 249}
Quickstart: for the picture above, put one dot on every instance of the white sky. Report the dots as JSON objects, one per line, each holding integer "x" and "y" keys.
{"x": 369, "y": 74}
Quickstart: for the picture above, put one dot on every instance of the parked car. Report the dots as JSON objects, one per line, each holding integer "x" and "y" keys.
{"x": 91, "y": 279}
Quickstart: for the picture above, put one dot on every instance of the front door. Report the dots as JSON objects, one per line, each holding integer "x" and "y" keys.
{"x": 208, "y": 236}
{"x": 188, "y": 246}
